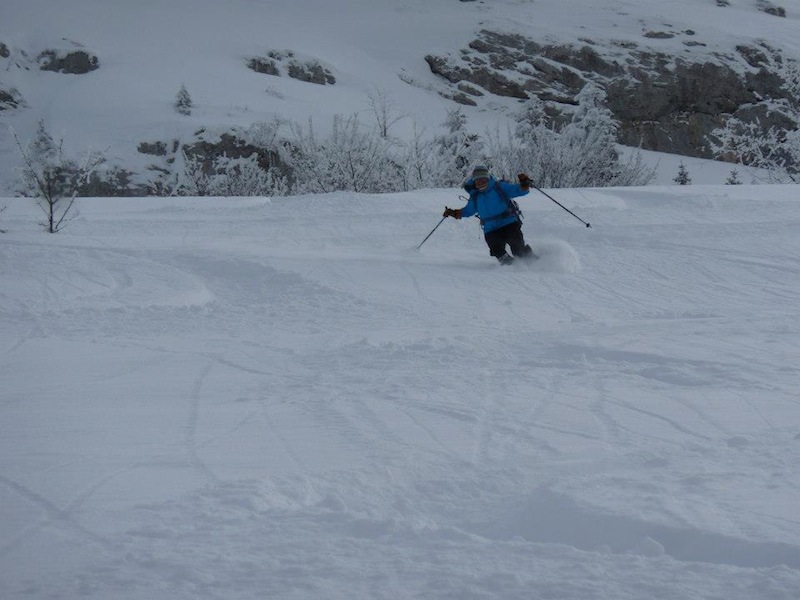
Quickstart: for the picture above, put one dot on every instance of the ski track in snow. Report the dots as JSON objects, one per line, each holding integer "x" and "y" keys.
{"x": 232, "y": 411}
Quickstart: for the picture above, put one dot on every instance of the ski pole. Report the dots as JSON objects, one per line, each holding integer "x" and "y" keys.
{"x": 559, "y": 203}
{"x": 431, "y": 233}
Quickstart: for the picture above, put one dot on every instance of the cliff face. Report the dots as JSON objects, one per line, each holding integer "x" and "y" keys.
{"x": 664, "y": 102}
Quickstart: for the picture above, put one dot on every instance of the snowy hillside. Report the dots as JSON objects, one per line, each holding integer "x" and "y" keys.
{"x": 147, "y": 51}
{"x": 254, "y": 398}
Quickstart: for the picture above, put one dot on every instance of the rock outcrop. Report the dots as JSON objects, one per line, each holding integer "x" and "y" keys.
{"x": 662, "y": 102}
{"x": 278, "y": 63}
{"x": 75, "y": 62}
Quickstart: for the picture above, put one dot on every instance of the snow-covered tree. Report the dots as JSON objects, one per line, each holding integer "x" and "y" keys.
{"x": 454, "y": 151}
{"x": 230, "y": 177}
{"x": 789, "y": 72}
{"x": 682, "y": 178}
{"x": 183, "y": 102}
{"x": 733, "y": 178}
{"x": 244, "y": 177}
{"x": 265, "y": 134}
{"x": 580, "y": 153}
{"x": 417, "y": 160}
{"x": 351, "y": 158}
{"x": 775, "y": 151}
{"x": 52, "y": 178}
{"x": 43, "y": 148}
{"x": 192, "y": 180}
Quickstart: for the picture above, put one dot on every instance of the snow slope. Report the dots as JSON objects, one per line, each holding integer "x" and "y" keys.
{"x": 147, "y": 50}
{"x": 283, "y": 398}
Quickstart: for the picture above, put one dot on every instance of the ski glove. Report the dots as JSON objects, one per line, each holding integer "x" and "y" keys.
{"x": 452, "y": 212}
{"x": 524, "y": 181}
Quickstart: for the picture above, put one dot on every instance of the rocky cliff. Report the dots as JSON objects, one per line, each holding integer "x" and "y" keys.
{"x": 664, "y": 102}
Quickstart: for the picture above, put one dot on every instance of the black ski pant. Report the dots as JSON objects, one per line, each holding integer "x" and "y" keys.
{"x": 509, "y": 235}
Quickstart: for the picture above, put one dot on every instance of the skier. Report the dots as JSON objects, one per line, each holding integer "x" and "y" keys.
{"x": 500, "y": 217}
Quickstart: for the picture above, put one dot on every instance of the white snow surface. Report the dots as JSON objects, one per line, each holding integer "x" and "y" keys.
{"x": 208, "y": 398}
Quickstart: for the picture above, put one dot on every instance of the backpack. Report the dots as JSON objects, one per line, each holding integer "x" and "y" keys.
{"x": 513, "y": 207}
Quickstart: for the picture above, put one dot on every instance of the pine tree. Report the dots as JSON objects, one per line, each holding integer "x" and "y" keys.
{"x": 43, "y": 148}
{"x": 733, "y": 178}
{"x": 683, "y": 176}
{"x": 183, "y": 102}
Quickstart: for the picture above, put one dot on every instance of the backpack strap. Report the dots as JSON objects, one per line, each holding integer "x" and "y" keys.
{"x": 513, "y": 207}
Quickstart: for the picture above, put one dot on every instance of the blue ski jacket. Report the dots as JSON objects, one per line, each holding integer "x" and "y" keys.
{"x": 493, "y": 206}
